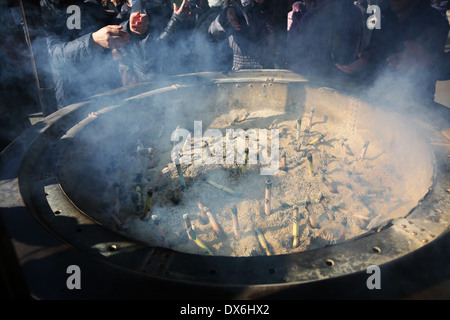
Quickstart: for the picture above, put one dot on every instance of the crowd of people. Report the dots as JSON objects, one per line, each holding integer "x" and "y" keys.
{"x": 121, "y": 42}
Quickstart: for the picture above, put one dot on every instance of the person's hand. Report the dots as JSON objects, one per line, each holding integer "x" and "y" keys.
{"x": 356, "y": 66}
{"x": 184, "y": 9}
{"x": 414, "y": 56}
{"x": 111, "y": 37}
{"x": 138, "y": 22}
{"x": 233, "y": 20}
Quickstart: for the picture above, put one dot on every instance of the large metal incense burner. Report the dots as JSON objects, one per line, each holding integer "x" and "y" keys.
{"x": 94, "y": 185}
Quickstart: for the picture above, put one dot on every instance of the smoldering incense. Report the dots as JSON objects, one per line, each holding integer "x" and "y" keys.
{"x": 311, "y": 115}
{"x": 213, "y": 222}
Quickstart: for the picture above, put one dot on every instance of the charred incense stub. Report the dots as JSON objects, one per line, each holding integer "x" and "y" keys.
{"x": 268, "y": 197}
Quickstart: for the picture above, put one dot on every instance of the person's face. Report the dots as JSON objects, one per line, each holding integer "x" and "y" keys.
{"x": 401, "y": 5}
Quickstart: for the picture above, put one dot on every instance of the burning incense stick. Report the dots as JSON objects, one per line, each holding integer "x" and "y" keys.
{"x": 235, "y": 220}
{"x": 268, "y": 197}
{"x": 180, "y": 175}
{"x": 198, "y": 242}
{"x": 308, "y": 127}
{"x": 295, "y": 227}
{"x": 244, "y": 166}
{"x": 213, "y": 222}
{"x": 262, "y": 241}
{"x": 310, "y": 164}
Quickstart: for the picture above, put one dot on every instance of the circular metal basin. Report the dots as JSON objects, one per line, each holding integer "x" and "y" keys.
{"x": 59, "y": 187}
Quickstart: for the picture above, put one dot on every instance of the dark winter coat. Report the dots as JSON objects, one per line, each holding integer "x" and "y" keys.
{"x": 252, "y": 45}
{"x": 79, "y": 71}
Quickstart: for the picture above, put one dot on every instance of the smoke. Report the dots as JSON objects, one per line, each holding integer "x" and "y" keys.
{"x": 188, "y": 50}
